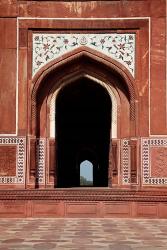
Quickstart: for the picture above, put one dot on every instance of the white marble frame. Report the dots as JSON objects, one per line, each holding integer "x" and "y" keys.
{"x": 146, "y": 145}
{"x": 20, "y": 143}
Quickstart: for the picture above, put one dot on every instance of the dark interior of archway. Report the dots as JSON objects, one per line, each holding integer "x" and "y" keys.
{"x": 83, "y": 123}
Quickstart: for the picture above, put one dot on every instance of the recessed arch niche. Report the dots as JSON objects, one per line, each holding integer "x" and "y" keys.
{"x": 114, "y": 111}
{"x": 83, "y": 123}
{"x": 98, "y": 69}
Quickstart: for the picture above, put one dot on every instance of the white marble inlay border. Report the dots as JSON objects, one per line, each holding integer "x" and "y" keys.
{"x": 20, "y": 142}
{"x": 125, "y": 152}
{"x": 146, "y": 162}
{"x": 47, "y": 47}
{"x": 41, "y": 154}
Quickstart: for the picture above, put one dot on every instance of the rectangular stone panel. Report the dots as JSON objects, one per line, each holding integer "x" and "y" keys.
{"x": 81, "y": 209}
{"x": 52, "y": 156}
{"x": 158, "y": 162}
{"x": 7, "y": 91}
{"x": 153, "y": 155}
{"x": 158, "y": 76}
{"x": 91, "y": 8}
{"x": 12, "y": 160}
{"x": 117, "y": 209}
{"x": 22, "y": 91}
{"x": 23, "y": 38}
{"x": 163, "y": 210}
{"x": 69, "y": 9}
{"x": 160, "y": 8}
{"x": 45, "y": 209}
{"x": 8, "y": 160}
{"x": 32, "y": 157}
{"x": 8, "y": 8}
{"x": 147, "y": 210}
{"x": 10, "y": 209}
{"x": 8, "y": 33}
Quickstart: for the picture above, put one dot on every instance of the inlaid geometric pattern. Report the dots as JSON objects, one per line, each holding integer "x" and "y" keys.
{"x": 47, "y": 47}
{"x": 40, "y": 174}
{"x": 125, "y": 162}
{"x": 153, "y": 155}
{"x": 20, "y": 144}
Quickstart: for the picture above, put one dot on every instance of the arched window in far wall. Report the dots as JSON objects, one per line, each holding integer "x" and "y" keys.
{"x": 86, "y": 173}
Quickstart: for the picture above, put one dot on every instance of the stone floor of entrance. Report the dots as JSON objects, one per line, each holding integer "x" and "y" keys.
{"x": 83, "y": 234}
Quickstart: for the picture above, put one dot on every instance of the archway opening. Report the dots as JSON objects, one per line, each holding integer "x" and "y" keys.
{"x": 86, "y": 173}
{"x": 83, "y": 124}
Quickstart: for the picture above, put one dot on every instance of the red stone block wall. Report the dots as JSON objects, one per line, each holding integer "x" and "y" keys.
{"x": 140, "y": 149}
{"x": 8, "y": 75}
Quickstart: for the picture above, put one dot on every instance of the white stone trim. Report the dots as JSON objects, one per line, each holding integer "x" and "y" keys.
{"x": 41, "y": 158}
{"x": 125, "y": 161}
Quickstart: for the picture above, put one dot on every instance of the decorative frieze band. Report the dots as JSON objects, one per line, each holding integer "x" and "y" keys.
{"x": 47, "y": 47}
{"x": 12, "y": 160}
{"x": 154, "y": 161}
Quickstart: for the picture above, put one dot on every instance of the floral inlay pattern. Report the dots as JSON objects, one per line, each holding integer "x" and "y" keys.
{"x": 47, "y": 47}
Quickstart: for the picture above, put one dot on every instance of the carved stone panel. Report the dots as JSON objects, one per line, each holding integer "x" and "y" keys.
{"x": 154, "y": 161}
{"x": 12, "y": 160}
{"x": 158, "y": 162}
{"x": 8, "y": 160}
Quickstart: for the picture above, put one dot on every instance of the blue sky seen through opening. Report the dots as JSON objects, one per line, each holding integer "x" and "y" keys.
{"x": 86, "y": 170}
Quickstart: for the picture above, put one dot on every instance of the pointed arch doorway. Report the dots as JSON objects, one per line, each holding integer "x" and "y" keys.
{"x": 53, "y": 88}
{"x": 83, "y": 128}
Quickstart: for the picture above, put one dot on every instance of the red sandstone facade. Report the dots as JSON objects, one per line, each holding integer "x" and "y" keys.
{"x": 137, "y": 158}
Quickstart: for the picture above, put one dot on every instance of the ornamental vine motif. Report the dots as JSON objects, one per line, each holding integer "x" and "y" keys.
{"x": 47, "y": 47}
